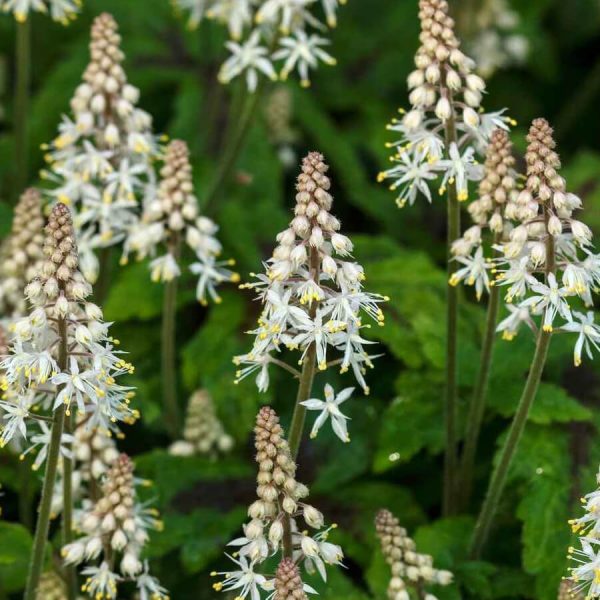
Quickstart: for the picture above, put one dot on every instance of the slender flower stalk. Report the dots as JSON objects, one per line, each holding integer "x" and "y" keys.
{"x": 490, "y": 213}
{"x": 547, "y": 247}
{"x": 439, "y": 137}
{"x": 313, "y": 300}
{"x": 274, "y": 525}
{"x": 61, "y": 355}
{"x": 169, "y": 224}
{"x": 409, "y": 567}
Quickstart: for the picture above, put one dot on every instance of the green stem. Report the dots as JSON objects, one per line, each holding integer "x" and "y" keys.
{"x": 477, "y": 406}
{"x": 498, "y": 480}
{"x": 67, "y": 516}
{"x": 25, "y": 495}
{"x": 21, "y": 108}
{"x": 450, "y": 396}
{"x": 309, "y": 367}
{"x": 169, "y": 366}
{"x": 43, "y": 523}
{"x": 104, "y": 274}
{"x": 233, "y": 148}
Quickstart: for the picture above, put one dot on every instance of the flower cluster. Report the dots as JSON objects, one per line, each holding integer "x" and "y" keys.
{"x": 497, "y": 43}
{"x": 312, "y": 292}
{"x": 407, "y": 565}
{"x": 493, "y": 211}
{"x": 203, "y": 432}
{"x": 274, "y": 520}
{"x": 549, "y": 242}
{"x": 51, "y": 587}
{"x": 115, "y": 531}
{"x": 584, "y": 576}
{"x": 62, "y": 353}
{"x": 101, "y": 161}
{"x": 62, "y": 11}
{"x": 93, "y": 452}
{"x": 266, "y": 32}
{"x": 441, "y": 133}
{"x": 21, "y": 253}
{"x": 171, "y": 218}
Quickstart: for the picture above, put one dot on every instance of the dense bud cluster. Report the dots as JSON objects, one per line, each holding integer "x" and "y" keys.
{"x": 288, "y": 583}
{"x": 51, "y": 587}
{"x": 493, "y": 211}
{"x": 115, "y": 531}
{"x": 409, "y": 568}
{"x": 171, "y": 219}
{"x": 548, "y": 265}
{"x": 101, "y": 161}
{"x": 21, "y": 253}
{"x": 312, "y": 292}
{"x": 203, "y": 432}
{"x": 274, "y": 517}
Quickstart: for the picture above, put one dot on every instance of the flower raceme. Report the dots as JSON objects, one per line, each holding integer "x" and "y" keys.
{"x": 274, "y": 517}
{"x": 21, "y": 253}
{"x": 264, "y": 32}
{"x": 408, "y": 566}
{"x": 445, "y": 97}
{"x": 62, "y": 11}
{"x": 61, "y": 317}
{"x": 492, "y": 212}
{"x": 100, "y": 164}
{"x": 170, "y": 219}
{"x": 312, "y": 292}
{"x": 548, "y": 240}
{"x": 115, "y": 531}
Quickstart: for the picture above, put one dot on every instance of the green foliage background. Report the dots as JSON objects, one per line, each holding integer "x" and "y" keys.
{"x": 344, "y": 116}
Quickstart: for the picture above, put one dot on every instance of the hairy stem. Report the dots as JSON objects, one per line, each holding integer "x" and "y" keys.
{"x": 450, "y": 396}
{"x": 498, "y": 480}
{"x": 21, "y": 109}
{"x": 67, "y": 516}
{"x": 309, "y": 366}
{"x": 477, "y": 405}
{"x": 168, "y": 352}
{"x": 36, "y": 564}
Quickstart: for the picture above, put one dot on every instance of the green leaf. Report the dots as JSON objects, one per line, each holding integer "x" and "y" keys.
{"x": 15, "y": 552}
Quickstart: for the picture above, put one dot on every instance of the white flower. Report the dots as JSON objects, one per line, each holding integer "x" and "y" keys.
{"x": 245, "y": 582}
{"x": 330, "y": 408}
{"x": 149, "y": 587}
{"x": 249, "y": 57}
{"x": 475, "y": 272}
{"x": 550, "y": 299}
{"x": 60, "y": 10}
{"x": 588, "y": 334}
{"x": 511, "y": 324}
{"x": 164, "y": 268}
{"x": 101, "y": 582}
{"x": 302, "y": 52}
{"x": 210, "y": 274}
{"x": 459, "y": 170}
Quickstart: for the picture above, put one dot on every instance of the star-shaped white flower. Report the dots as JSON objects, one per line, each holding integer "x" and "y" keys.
{"x": 330, "y": 408}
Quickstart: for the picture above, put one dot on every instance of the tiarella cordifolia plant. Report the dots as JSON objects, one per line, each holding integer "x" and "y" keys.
{"x": 549, "y": 243}
{"x": 203, "y": 432}
{"x": 115, "y": 531}
{"x": 266, "y": 32}
{"x": 62, "y": 356}
{"x": 548, "y": 268}
{"x": 443, "y": 130}
{"x": 21, "y": 254}
{"x": 171, "y": 220}
{"x": 583, "y": 578}
{"x": 273, "y": 527}
{"x": 493, "y": 214}
{"x": 60, "y": 10}
{"x": 409, "y": 567}
{"x": 101, "y": 161}
{"x": 312, "y": 295}
{"x": 439, "y": 138}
